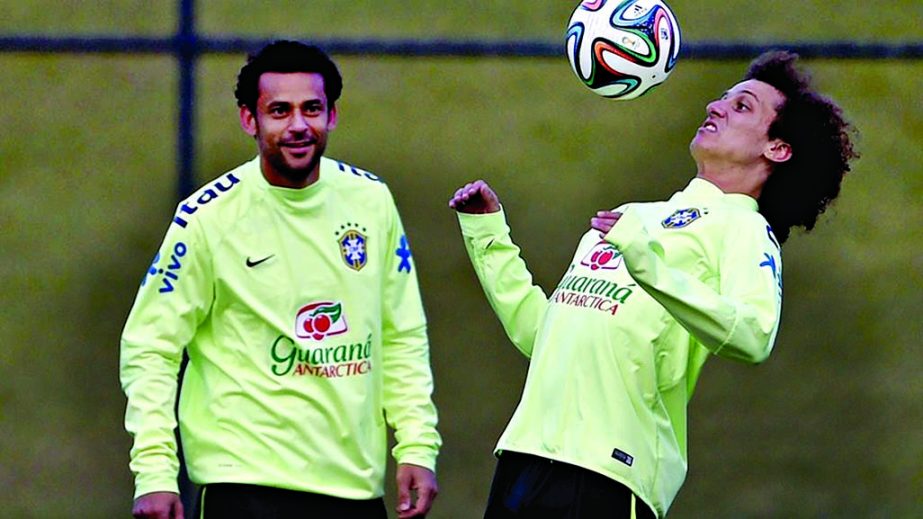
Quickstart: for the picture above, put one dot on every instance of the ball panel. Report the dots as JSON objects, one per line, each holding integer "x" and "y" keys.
{"x": 592, "y": 5}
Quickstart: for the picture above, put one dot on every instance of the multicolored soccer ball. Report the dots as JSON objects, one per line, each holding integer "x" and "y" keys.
{"x": 621, "y": 49}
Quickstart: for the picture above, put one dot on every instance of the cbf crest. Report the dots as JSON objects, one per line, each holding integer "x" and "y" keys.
{"x": 682, "y": 218}
{"x": 353, "y": 245}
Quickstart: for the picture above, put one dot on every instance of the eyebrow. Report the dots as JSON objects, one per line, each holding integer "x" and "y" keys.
{"x": 279, "y": 102}
{"x": 751, "y": 93}
{"x": 745, "y": 91}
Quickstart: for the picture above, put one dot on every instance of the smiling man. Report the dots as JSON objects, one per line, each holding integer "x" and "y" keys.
{"x": 653, "y": 290}
{"x": 290, "y": 283}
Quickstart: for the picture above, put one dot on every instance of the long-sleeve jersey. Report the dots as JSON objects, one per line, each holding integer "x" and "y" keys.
{"x": 302, "y": 318}
{"x": 616, "y": 349}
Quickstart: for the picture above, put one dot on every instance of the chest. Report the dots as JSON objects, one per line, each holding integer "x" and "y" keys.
{"x": 284, "y": 260}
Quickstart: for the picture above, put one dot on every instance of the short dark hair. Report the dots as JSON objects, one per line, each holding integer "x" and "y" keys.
{"x": 800, "y": 189}
{"x": 287, "y": 56}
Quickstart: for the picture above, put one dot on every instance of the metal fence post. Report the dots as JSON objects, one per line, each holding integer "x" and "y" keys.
{"x": 187, "y": 52}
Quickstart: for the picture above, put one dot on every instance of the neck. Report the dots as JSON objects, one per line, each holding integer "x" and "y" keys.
{"x": 735, "y": 179}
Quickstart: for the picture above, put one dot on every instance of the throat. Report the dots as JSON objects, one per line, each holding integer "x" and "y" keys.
{"x": 729, "y": 179}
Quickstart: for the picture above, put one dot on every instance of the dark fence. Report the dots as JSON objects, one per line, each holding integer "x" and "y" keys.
{"x": 186, "y": 45}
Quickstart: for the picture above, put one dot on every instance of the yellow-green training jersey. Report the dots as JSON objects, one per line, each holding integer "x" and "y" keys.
{"x": 302, "y": 318}
{"x": 616, "y": 349}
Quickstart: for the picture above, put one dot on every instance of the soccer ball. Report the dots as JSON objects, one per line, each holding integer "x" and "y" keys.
{"x": 621, "y": 49}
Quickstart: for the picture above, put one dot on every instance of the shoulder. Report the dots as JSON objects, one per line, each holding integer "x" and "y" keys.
{"x": 215, "y": 196}
{"x": 347, "y": 173}
{"x": 742, "y": 227}
{"x": 355, "y": 182}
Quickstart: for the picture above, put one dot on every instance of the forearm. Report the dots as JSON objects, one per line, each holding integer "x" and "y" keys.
{"x": 408, "y": 388}
{"x": 149, "y": 379}
{"x": 738, "y": 323}
{"x": 504, "y": 276}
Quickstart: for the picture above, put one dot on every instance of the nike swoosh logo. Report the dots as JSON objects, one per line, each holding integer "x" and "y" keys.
{"x": 252, "y": 264}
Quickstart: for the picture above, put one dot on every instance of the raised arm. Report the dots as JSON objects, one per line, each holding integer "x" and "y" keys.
{"x": 507, "y": 282}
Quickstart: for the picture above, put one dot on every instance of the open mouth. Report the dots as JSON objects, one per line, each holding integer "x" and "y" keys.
{"x": 710, "y": 127}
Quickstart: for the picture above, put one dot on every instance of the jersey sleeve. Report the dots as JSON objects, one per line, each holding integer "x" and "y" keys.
{"x": 408, "y": 379}
{"x": 507, "y": 282}
{"x": 737, "y": 321}
{"x": 172, "y": 301}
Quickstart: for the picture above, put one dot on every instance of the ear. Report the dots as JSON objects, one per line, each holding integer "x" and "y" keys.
{"x": 778, "y": 151}
{"x": 332, "y": 118}
{"x": 248, "y": 121}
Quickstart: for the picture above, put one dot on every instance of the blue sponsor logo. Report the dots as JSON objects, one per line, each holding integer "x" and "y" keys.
{"x": 222, "y": 185}
{"x": 167, "y": 273}
{"x": 346, "y": 168}
{"x": 769, "y": 261}
{"x": 772, "y": 237}
{"x": 403, "y": 252}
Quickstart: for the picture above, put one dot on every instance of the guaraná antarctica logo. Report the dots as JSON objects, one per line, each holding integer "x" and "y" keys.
{"x": 312, "y": 355}
{"x": 316, "y": 321}
{"x": 603, "y": 255}
{"x": 342, "y": 360}
{"x": 590, "y": 292}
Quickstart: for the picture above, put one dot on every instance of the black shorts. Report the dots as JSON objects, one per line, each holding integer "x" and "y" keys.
{"x": 234, "y": 500}
{"x": 527, "y": 486}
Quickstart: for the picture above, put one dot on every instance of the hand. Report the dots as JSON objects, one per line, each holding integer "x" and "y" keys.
{"x": 475, "y": 198}
{"x": 158, "y": 505}
{"x": 604, "y": 221}
{"x": 421, "y": 481}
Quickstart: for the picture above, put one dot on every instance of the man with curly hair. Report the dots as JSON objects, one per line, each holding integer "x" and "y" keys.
{"x": 653, "y": 290}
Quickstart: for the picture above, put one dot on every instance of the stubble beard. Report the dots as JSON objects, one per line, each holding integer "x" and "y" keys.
{"x": 295, "y": 175}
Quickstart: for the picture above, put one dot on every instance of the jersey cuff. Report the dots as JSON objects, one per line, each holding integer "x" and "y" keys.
{"x": 483, "y": 225}
{"x": 427, "y": 461}
{"x": 148, "y": 483}
{"x": 625, "y": 231}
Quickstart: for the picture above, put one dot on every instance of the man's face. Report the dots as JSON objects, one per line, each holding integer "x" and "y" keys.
{"x": 291, "y": 124}
{"x": 736, "y": 131}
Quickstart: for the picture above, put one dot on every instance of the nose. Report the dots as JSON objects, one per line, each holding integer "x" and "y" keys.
{"x": 715, "y": 108}
{"x": 298, "y": 123}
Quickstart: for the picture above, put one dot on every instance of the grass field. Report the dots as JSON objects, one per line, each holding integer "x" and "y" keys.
{"x": 830, "y": 426}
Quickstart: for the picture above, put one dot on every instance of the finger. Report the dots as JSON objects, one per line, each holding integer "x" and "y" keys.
{"x": 403, "y": 496}
{"x": 458, "y": 198}
{"x": 601, "y": 224}
{"x": 425, "y": 497}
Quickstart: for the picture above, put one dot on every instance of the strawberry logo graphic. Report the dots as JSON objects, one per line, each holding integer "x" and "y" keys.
{"x": 319, "y": 320}
{"x": 603, "y": 256}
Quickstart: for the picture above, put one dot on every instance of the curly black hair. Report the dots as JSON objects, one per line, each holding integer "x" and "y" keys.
{"x": 800, "y": 189}
{"x": 287, "y": 56}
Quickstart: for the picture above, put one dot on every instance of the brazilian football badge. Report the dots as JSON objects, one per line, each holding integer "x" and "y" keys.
{"x": 353, "y": 245}
{"x": 681, "y": 218}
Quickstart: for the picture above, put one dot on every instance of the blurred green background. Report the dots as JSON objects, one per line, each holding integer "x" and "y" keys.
{"x": 830, "y": 426}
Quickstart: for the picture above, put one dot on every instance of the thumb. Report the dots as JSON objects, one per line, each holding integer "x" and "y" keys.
{"x": 403, "y": 493}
